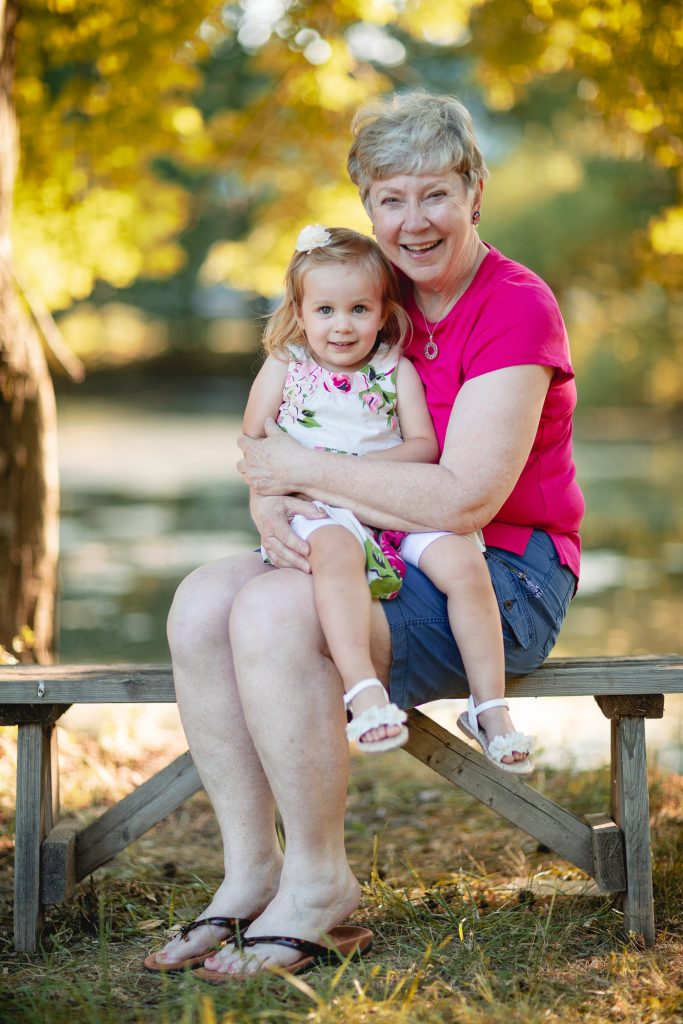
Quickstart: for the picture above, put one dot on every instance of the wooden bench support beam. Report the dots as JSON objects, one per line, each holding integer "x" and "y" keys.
{"x": 643, "y": 705}
{"x": 503, "y": 792}
{"x": 58, "y": 864}
{"x": 37, "y": 808}
{"x": 608, "y": 853}
{"x": 135, "y": 814}
{"x": 631, "y": 811}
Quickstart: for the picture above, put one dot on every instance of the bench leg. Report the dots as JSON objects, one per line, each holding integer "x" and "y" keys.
{"x": 36, "y": 812}
{"x": 631, "y": 812}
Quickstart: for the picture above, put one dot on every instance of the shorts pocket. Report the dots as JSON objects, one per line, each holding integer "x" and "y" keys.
{"x": 559, "y": 593}
{"x": 518, "y": 623}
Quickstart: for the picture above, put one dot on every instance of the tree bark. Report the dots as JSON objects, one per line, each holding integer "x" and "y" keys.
{"x": 29, "y": 488}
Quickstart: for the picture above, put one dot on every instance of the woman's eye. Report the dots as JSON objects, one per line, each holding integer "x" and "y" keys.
{"x": 390, "y": 201}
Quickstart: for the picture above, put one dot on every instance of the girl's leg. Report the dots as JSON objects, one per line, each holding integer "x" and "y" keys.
{"x": 344, "y": 605}
{"x": 454, "y": 565}
{"x": 222, "y": 747}
{"x": 291, "y": 695}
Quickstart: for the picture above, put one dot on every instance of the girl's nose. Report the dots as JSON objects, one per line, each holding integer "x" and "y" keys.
{"x": 342, "y": 323}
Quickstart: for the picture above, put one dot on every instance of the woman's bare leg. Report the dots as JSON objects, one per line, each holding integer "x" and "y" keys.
{"x": 292, "y": 699}
{"x": 455, "y": 566}
{"x": 221, "y": 745}
{"x": 344, "y": 605}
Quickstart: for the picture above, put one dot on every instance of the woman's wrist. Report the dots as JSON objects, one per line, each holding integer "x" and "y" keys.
{"x": 301, "y": 471}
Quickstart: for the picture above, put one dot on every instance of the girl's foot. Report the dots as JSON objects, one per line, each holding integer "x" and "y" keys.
{"x": 377, "y": 724}
{"x": 497, "y": 722}
{"x": 489, "y": 723}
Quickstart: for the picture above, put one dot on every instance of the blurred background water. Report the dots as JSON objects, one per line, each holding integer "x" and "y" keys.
{"x": 150, "y": 491}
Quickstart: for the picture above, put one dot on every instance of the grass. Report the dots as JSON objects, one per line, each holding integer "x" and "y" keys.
{"x": 473, "y": 923}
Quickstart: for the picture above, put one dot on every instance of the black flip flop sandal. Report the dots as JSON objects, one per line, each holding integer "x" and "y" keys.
{"x": 236, "y": 927}
{"x": 345, "y": 941}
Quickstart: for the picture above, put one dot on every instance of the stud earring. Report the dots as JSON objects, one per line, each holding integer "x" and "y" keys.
{"x": 476, "y": 217}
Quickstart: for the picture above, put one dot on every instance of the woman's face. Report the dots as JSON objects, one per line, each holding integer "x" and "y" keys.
{"x": 423, "y": 222}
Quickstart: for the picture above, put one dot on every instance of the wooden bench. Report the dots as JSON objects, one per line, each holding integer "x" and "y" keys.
{"x": 614, "y": 849}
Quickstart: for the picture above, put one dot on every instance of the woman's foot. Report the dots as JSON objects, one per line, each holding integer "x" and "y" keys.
{"x": 375, "y": 719}
{"x": 240, "y": 900}
{"x": 307, "y": 911}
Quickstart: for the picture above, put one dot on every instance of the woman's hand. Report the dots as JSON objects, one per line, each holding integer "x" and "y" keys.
{"x": 272, "y": 516}
{"x": 269, "y": 463}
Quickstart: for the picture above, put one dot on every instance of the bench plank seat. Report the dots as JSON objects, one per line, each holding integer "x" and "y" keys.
{"x": 148, "y": 684}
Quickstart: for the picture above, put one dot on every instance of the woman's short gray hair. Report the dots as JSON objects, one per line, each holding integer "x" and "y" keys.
{"x": 413, "y": 133}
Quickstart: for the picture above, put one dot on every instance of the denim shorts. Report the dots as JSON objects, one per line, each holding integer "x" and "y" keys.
{"x": 533, "y": 592}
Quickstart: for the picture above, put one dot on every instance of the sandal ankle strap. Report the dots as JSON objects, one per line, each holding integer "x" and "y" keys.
{"x": 474, "y": 712}
{"x": 364, "y": 684}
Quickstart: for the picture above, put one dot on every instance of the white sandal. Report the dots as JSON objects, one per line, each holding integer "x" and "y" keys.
{"x": 388, "y": 714}
{"x": 500, "y": 746}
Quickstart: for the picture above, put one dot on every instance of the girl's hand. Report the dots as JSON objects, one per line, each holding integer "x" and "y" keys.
{"x": 272, "y": 516}
{"x": 269, "y": 463}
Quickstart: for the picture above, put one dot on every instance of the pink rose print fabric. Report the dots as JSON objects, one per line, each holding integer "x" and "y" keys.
{"x": 354, "y": 413}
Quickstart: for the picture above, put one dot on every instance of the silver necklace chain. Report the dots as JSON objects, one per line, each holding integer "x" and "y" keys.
{"x": 431, "y": 349}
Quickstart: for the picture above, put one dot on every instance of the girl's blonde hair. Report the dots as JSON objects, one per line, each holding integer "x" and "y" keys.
{"x": 345, "y": 246}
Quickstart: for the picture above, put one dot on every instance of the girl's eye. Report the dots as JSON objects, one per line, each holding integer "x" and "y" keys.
{"x": 325, "y": 310}
{"x": 360, "y": 308}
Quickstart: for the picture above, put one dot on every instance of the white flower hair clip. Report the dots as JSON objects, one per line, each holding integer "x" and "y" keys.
{"x": 313, "y": 236}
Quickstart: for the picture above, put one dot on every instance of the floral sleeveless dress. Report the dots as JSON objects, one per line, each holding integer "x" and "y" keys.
{"x": 349, "y": 412}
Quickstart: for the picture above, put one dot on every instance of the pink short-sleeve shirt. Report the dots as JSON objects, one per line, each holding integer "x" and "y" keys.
{"x": 509, "y": 317}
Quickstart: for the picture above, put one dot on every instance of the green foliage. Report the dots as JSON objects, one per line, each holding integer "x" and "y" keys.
{"x": 620, "y": 57}
{"x": 188, "y": 141}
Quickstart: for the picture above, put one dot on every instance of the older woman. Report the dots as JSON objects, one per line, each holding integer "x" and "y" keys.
{"x": 261, "y": 701}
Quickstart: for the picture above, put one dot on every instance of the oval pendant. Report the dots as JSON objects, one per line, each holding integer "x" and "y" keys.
{"x": 431, "y": 349}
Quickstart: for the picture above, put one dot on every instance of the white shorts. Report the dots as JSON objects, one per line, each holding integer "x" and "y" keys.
{"x": 413, "y": 545}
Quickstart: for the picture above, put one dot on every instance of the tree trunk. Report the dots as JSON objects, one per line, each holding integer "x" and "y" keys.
{"x": 29, "y": 490}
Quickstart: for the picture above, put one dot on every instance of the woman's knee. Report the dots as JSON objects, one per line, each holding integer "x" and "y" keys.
{"x": 274, "y": 611}
{"x": 202, "y": 603}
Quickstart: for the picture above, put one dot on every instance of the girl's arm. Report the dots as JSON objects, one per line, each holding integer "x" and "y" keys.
{"x": 265, "y": 396}
{"x": 419, "y": 439}
{"x": 490, "y": 434}
{"x": 272, "y": 515}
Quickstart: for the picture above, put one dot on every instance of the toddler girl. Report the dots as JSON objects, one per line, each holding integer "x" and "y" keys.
{"x": 334, "y": 379}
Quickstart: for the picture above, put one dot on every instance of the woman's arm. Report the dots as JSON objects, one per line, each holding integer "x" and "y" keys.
{"x": 419, "y": 439}
{"x": 490, "y": 434}
{"x": 265, "y": 396}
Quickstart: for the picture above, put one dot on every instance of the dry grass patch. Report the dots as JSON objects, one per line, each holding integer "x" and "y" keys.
{"x": 474, "y": 923}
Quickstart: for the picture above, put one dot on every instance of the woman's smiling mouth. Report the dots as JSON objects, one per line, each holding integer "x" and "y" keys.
{"x": 420, "y": 247}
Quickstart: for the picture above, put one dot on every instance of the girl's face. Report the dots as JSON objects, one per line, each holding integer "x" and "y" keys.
{"x": 342, "y": 310}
